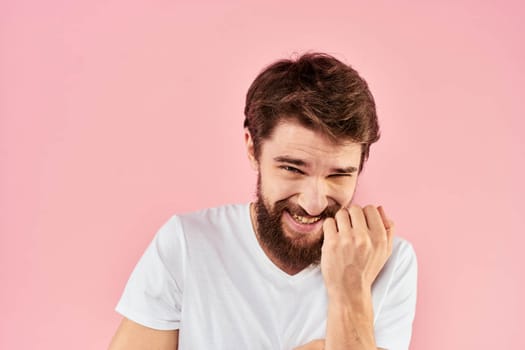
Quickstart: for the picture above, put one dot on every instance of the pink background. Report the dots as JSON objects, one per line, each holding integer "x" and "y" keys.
{"x": 116, "y": 114}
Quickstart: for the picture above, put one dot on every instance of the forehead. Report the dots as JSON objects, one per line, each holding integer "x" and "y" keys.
{"x": 291, "y": 138}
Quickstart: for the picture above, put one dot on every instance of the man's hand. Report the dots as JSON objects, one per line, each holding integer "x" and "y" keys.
{"x": 356, "y": 246}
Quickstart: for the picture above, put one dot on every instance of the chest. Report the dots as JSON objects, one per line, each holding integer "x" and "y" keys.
{"x": 238, "y": 306}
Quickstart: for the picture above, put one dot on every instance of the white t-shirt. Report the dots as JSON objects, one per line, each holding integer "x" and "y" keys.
{"x": 205, "y": 274}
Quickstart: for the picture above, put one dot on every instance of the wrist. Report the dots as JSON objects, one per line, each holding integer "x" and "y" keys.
{"x": 354, "y": 294}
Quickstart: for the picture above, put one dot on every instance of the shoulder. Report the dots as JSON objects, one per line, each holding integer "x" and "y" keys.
{"x": 402, "y": 252}
{"x": 205, "y": 225}
{"x": 229, "y": 211}
{"x": 399, "y": 274}
{"x": 215, "y": 219}
{"x": 402, "y": 262}
{"x": 207, "y": 216}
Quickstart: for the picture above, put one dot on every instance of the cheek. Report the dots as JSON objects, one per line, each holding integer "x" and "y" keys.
{"x": 279, "y": 189}
{"x": 276, "y": 187}
{"x": 344, "y": 193}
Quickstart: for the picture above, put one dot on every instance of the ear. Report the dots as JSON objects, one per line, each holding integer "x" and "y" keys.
{"x": 250, "y": 149}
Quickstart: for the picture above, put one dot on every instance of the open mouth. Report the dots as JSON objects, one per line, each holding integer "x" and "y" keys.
{"x": 299, "y": 224}
{"x": 305, "y": 220}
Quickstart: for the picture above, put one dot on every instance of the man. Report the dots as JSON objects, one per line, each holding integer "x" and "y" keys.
{"x": 301, "y": 267}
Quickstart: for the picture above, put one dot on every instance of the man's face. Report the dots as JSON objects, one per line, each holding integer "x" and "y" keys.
{"x": 303, "y": 178}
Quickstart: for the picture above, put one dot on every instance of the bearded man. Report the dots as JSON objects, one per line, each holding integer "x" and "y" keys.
{"x": 302, "y": 267}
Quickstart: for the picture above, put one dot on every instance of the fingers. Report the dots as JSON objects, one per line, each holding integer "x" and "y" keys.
{"x": 357, "y": 217}
{"x": 357, "y": 243}
{"x": 389, "y": 227}
{"x": 358, "y": 234}
{"x": 374, "y": 222}
{"x": 362, "y": 224}
{"x": 329, "y": 229}
{"x": 384, "y": 218}
{"x": 342, "y": 220}
{"x": 373, "y": 218}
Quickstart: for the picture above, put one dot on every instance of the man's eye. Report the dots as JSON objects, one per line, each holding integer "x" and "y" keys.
{"x": 340, "y": 175}
{"x": 291, "y": 169}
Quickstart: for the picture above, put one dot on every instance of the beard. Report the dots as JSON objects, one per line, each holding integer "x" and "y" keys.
{"x": 294, "y": 252}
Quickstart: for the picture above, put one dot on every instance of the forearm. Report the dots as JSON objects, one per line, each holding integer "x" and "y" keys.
{"x": 350, "y": 323}
{"x": 357, "y": 243}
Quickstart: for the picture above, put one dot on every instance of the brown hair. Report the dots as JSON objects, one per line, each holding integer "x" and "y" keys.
{"x": 321, "y": 92}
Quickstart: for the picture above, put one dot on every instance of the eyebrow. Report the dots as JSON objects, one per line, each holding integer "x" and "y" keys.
{"x": 300, "y": 162}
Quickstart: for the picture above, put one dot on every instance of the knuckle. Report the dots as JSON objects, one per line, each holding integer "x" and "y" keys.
{"x": 362, "y": 232}
{"x": 355, "y": 207}
{"x": 369, "y": 208}
{"x": 346, "y": 241}
{"x": 362, "y": 241}
{"x": 381, "y": 243}
{"x": 328, "y": 223}
{"x": 341, "y": 213}
{"x": 363, "y": 249}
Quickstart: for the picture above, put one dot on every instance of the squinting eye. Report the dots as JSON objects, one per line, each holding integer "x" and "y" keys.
{"x": 340, "y": 175}
{"x": 291, "y": 169}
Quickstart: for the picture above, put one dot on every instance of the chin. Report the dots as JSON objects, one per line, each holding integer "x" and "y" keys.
{"x": 300, "y": 239}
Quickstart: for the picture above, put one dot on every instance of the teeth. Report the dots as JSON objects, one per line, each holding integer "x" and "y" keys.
{"x": 305, "y": 220}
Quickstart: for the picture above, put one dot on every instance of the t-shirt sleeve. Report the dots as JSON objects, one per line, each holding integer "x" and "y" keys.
{"x": 153, "y": 295}
{"x": 393, "y": 327}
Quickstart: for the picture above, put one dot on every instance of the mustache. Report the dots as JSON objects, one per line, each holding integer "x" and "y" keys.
{"x": 284, "y": 204}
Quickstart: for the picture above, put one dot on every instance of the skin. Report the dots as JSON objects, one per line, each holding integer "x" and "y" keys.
{"x": 327, "y": 176}
{"x": 133, "y": 336}
{"x": 305, "y": 168}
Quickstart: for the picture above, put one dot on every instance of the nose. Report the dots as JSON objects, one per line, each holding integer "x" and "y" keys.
{"x": 314, "y": 197}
